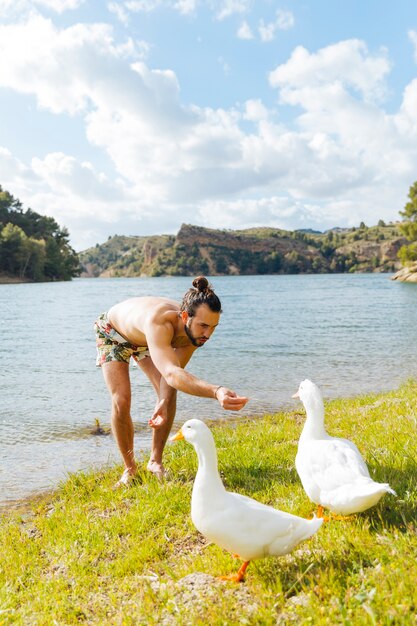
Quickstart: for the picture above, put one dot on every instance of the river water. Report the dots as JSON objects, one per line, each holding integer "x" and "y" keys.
{"x": 349, "y": 333}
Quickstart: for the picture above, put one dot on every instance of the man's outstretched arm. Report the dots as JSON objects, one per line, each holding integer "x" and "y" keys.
{"x": 167, "y": 362}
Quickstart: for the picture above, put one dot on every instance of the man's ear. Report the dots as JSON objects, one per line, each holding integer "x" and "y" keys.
{"x": 184, "y": 317}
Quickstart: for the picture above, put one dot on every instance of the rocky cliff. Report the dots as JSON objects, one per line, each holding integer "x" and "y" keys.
{"x": 196, "y": 250}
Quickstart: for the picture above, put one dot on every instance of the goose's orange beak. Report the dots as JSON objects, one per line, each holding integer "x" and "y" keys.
{"x": 295, "y": 395}
{"x": 177, "y": 437}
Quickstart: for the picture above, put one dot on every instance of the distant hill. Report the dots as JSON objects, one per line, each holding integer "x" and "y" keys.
{"x": 197, "y": 250}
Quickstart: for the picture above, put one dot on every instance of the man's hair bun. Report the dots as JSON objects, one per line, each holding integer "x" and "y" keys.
{"x": 200, "y": 293}
{"x": 200, "y": 283}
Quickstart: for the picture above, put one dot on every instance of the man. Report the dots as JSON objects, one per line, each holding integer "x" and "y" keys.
{"x": 161, "y": 336}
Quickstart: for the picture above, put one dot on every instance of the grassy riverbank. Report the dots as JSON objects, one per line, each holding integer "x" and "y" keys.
{"x": 87, "y": 554}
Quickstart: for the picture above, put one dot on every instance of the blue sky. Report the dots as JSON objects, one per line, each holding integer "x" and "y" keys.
{"x": 134, "y": 116}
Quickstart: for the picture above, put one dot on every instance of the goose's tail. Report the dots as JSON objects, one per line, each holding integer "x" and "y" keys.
{"x": 298, "y": 529}
{"x": 372, "y": 488}
{"x": 387, "y": 488}
{"x": 310, "y": 528}
{"x": 361, "y": 496}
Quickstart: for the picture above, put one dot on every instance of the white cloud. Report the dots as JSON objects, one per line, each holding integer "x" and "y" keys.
{"x": 265, "y": 211}
{"x": 59, "y": 6}
{"x": 76, "y": 195}
{"x": 186, "y": 6}
{"x": 266, "y": 31}
{"x": 142, "y": 5}
{"x": 13, "y": 171}
{"x": 255, "y": 111}
{"x": 244, "y": 31}
{"x": 124, "y": 7}
{"x": 64, "y": 69}
{"x": 230, "y": 7}
{"x": 346, "y": 64}
{"x": 412, "y": 35}
{"x": 283, "y": 212}
{"x": 119, "y": 11}
{"x": 406, "y": 120}
{"x": 224, "y": 65}
{"x": 283, "y": 21}
{"x": 66, "y": 174}
{"x": 342, "y": 151}
{"x": 19, "y": 8}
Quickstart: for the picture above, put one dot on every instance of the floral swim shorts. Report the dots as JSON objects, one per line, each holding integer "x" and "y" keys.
{"x": 111, "y": 346}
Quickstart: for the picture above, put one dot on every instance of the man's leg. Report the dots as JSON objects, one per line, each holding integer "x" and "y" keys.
{"x": 116, "y": 376}
{"x": 159, "y": 435}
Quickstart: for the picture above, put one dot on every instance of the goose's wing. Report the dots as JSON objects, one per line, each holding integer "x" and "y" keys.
{"x": 253, "y": 516}
{"x": 247, "y": 527}
{"x": 259, "y": 512}
{"x": 354, "y": 457}
{"x": 333, "y": 462}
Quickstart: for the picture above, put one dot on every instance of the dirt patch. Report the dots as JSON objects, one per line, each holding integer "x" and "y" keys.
{"x": 195, "y": 593}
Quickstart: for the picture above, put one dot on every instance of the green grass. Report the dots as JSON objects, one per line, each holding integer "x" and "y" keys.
{"x": 87, "y": 554}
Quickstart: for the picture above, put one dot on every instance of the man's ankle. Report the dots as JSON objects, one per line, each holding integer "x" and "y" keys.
{"x": 156, "y": 468}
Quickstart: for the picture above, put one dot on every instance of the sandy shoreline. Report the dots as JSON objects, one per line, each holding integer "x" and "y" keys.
{"x": 24, "y": 505}
{"x": 10, "y": 280}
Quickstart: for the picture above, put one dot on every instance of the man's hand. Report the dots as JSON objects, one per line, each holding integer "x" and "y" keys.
{"x": 229, "y": 400}
{"x": 159, "y": 416}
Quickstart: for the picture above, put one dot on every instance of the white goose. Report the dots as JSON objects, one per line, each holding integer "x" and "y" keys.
{"x": 244, "y": 527}
{"x": 332, "y": 470}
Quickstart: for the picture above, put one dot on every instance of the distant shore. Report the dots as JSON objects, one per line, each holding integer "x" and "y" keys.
{"x": 405, "y": 274}
{"x": 5, "y": 279}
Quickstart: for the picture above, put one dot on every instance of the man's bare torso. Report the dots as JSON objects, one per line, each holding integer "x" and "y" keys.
{"x": 131, "y": 317}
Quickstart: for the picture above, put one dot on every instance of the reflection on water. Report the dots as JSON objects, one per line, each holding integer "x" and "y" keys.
{"x": 349, "y": 333}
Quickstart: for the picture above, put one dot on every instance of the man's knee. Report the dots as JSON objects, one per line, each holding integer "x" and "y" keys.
{"x": 121, "y": 405}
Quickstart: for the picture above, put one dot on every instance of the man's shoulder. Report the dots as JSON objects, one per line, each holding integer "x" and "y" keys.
{"x": 161, "y": 311}
{"x": 163, "y": 304}
{"x": 152, "y": 303}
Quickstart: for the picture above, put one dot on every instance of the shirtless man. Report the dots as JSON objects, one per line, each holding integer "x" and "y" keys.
{"x": 161, "y": 336}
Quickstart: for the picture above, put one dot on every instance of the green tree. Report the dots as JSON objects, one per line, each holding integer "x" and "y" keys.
{"x": 408, "y": 253}
{"x": 21, "y": 255}
{"x": 7, "y": 205}
{"x": 13, "y": 249}
{"x": 32, "y": 245}
{"x": 35, "y": 259}
{"x": 409, "y": 227}
{"x": 61, "y": 261}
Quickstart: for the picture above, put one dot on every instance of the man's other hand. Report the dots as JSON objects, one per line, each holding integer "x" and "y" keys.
{"x": 159, "y": 416}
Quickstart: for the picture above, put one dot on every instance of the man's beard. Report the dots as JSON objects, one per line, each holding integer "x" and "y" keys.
{"x": 191, "y": 337}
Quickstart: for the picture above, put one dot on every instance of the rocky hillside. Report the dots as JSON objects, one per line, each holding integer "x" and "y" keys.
{"x": 197, "y": 250}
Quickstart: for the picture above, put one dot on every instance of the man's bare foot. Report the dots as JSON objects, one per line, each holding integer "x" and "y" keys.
{"x": 158, "y": 469}
{"x": 127, "y": 479}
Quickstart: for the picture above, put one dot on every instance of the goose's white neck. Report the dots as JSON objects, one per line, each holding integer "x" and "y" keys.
{"x": 208, "y": 474}
{"x": 314, "y": 425}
